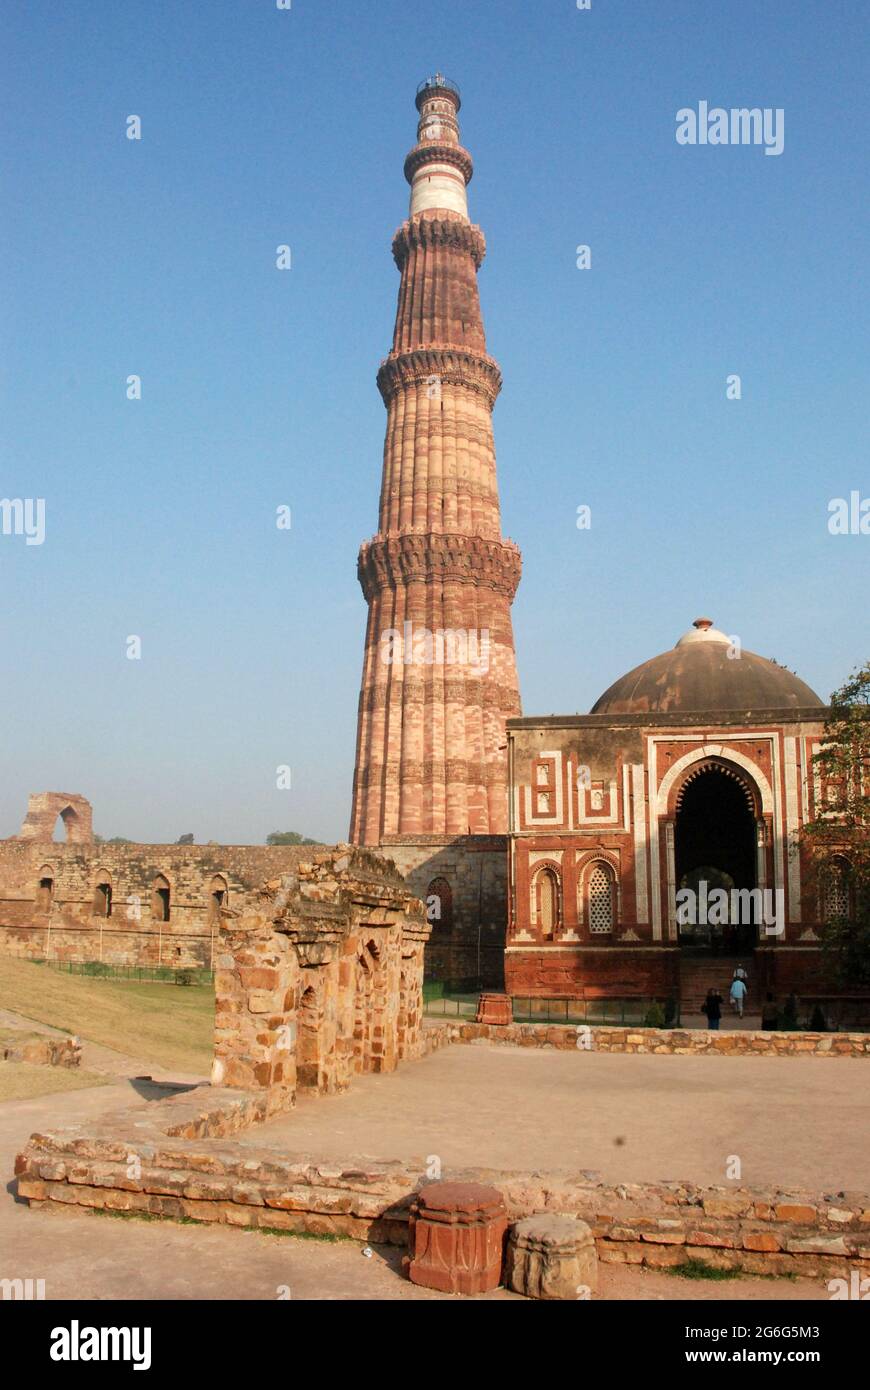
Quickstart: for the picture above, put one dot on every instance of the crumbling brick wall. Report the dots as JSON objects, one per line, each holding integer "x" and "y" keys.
{"x": 43, "y": 809}
{"x": 322, "y": 980}
{"x": 59, "y": 922}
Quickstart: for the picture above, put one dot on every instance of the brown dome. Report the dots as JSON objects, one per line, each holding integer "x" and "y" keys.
{"x": 698, "y": 674}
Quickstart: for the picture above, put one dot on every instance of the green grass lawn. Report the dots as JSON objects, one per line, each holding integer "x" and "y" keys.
{"x": 164, "y": 1024}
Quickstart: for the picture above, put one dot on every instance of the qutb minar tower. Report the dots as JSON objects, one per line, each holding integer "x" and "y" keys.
{"x": 439, "y": 675}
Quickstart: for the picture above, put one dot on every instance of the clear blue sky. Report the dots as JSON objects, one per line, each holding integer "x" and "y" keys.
{"x": 156, "y": 257}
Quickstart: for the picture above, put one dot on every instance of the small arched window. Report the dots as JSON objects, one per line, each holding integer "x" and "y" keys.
{"x": 602, "y": 899}
{"x": 836, "y": 898}
{"x": 218, "y": 898}
{"x": 102, "y": 906}
{"x": 45, "y": 891}
{"x": 439, "y": 904}
{"x": 160, "y": 899}
{"x": 545, "y": 901}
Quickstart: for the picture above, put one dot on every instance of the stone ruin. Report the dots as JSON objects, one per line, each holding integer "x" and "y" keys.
{"x": 323, "y": 979}
{"x": 320, "y": 980}
{"x": 43, "y": 809}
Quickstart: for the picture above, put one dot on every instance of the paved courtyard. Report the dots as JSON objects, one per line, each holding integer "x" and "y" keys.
{"x": 802, "y": 1121}
{"x": 82, "y": 1256}
{"x": 790, "y": 1120}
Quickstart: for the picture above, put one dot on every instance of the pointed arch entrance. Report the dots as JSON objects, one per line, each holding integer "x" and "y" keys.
{"x": 716, "y": 818}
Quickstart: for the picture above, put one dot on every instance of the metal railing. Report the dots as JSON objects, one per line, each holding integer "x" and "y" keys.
{"x": 448, "y": 1004}
{"x": 145, "y": 974}
{"x": 639, "y": 1012}
{"x": 441, "y": 1002}
{"x": 436, "y": 81}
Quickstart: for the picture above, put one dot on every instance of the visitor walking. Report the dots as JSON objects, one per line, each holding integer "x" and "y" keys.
{"x": 740, "y": 974}
{"x": 712, "y": 1007}
{"x": 738, "y": 995}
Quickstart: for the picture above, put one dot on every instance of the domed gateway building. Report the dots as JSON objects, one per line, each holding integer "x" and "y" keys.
{"x": 654, "y": 841}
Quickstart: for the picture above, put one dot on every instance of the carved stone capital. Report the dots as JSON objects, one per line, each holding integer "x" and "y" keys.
{"x": 453, "y": 233}
{"x": 453, "y": 366}
{"x": 433, "y": 557}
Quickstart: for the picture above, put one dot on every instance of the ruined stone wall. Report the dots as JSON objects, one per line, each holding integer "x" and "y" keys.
{"x": 782, "y": 1231}
{"x": 63, "y": 924}
{"x": 466, "y": 948}
{"x": 43, "y": 809}
{"x": 670, "y": 1041}
{"x": 41, "y": 1051}
{"x": 321, "y": 980}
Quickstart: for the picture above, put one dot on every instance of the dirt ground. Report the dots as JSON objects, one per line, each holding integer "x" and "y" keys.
{"x": 790, "y": 1121}
{"x": 85, "y": 1256}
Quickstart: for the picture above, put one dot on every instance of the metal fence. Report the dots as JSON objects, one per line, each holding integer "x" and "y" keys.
{"x": 449, "y": 1005}
{"x": 441, "y": 1002}
{"x": 652, "y": 1013}
{"x": 145, "y": 974}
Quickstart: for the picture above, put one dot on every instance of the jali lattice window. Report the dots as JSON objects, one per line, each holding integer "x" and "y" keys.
{"x": 836, "y": 891}
{"x": 601, "y": 896}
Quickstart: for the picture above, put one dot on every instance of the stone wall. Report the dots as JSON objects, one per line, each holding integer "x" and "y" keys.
{"x": 183, "y": 1174}
{"x": 43, "y": 809}
{"x": 679, "y": 1041}
{"x": 41, "y": 1051}
{"x": 68, "y": 921}
{"x": 321, "y": 980}
{"x": 466, "y": 947}
{"x": 605, "y": 972}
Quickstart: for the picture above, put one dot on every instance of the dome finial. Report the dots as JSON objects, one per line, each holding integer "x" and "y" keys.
{"x": 702, "y": 630}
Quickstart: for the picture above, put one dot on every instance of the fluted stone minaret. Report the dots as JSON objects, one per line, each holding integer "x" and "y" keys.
{"x": 439, "y": 675}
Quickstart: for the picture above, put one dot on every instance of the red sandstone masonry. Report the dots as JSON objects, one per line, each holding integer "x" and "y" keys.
{"x": 676, "y": 1041}
{"x": 764, "y": 1231}
{"x": 430, "y": 755}
{"x": 322, "y": 981}
{"x": 44, "y": 1052}
{"x": 67, "y": 929}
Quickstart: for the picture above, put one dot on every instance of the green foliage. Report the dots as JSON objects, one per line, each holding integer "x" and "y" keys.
{"x": 289, "y": 837}
{"x": 697, "y": 1269}
{"x": 95, "y": 967}
{"x": 840, "y": 832}
{"x": 654, "y": 1017}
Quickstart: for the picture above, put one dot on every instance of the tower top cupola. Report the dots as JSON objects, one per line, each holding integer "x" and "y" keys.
{"x": 438, "y": 168}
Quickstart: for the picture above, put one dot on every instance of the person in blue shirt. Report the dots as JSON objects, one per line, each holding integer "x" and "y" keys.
{"x": 738, "y": 994}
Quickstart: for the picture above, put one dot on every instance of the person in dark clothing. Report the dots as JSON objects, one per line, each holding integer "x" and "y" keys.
{"x": 712, "y": 1007}
{"x": 769, "y": 1014}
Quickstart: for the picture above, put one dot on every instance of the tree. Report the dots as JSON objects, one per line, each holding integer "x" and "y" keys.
{"x": 289, "y": 837}
{"x": 838, "y": 839}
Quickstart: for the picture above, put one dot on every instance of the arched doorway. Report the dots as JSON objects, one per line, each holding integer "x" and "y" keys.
{"x": 715, "y": 848}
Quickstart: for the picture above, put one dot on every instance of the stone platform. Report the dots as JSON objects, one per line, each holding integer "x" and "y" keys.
{"x": 203, "y": 1155}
